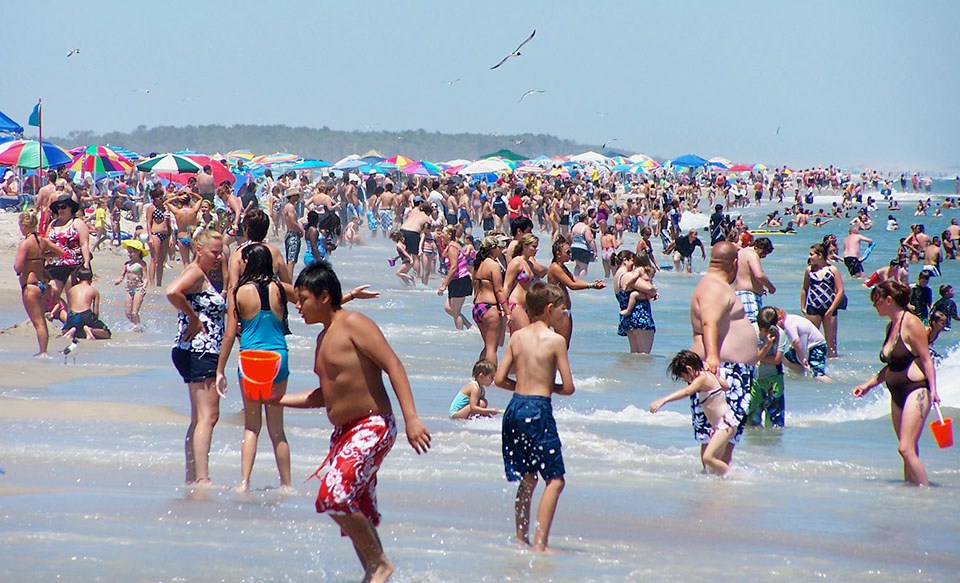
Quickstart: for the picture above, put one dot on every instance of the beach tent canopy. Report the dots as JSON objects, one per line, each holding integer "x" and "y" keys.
{"x": 590, "y": 156}
{"x": 8, "y": 125}
{"x": 506, "y": 155}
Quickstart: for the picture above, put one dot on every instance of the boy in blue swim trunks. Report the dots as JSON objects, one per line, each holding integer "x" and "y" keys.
{"x": 531, "y": 444}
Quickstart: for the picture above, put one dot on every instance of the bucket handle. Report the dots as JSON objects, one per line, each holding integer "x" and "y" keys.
{"x": 939, "y": 414}
{"x": 244, "y": 375}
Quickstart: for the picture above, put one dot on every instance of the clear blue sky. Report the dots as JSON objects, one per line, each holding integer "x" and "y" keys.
{"x": 850, "y": 82}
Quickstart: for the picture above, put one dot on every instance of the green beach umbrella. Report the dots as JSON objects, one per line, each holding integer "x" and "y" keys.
{"x": 169, "y": 163}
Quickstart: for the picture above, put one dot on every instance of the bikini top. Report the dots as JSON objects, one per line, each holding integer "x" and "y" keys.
{"x": 900, "y": 357}
{"x": 713, "y": 393}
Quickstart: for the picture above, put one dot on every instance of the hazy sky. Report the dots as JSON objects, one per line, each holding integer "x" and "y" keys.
{"x": 850, "y": 82}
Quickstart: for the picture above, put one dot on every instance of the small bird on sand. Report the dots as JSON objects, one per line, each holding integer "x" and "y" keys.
{"x": 516, "y": 52}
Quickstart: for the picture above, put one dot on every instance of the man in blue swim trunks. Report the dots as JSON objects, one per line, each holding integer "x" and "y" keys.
{"x": 724, "y": 338}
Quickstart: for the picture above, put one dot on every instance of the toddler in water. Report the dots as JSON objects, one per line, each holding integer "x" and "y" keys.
{"x": 647, "y": 272}
{"x": 471, "y": 399}
{"x": 136, "y": 287}
{"x": 711, "y": 389}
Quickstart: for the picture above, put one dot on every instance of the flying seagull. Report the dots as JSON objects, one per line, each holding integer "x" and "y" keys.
{"x": 73, "y": 52}
{"x": 518, "y": 142}
{"x": 604, "y": 146}
{"x": 778, "y": 130}
{"x": 144, "y": 91}
{"x": 515, "y": 53}
{"x": 531, "y": 92}
{"x": 457, "y": 80}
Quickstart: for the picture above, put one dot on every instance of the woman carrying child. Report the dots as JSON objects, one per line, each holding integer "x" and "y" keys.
{"x": 634, "y": 290}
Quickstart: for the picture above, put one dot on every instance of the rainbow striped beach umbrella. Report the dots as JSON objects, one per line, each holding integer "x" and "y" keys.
{"x": 422, "y": 168}
{"x": 31, "y": 154}
{"x": 99, "y": 160}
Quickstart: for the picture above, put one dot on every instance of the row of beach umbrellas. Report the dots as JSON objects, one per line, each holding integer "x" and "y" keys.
{"x": 105, "y": 160}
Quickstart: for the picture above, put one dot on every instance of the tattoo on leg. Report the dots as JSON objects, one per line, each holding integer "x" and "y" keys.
{"x": 921, "y": 401}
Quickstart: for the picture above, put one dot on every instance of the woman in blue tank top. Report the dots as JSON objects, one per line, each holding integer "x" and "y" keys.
{"x": 258, "y": 315}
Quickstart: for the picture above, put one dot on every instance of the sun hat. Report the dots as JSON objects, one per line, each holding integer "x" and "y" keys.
{"x": 138, "y": 245}
{"x": 64, "y": 200}
{"x": 292, "y": 192}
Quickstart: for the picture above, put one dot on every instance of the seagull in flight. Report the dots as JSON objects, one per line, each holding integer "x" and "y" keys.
{"x": 531, "y": 92}
{"x": 604, "y": 146}
{"x": 457, "y": 80}
{"x": 602, "y": 113}
{"x": 518, "y": 142}
{"x": 516, "y": 52}
{"x": 73, "y": 52}
{"x": 778, "y": 130}
{"x": 144, "y": 91}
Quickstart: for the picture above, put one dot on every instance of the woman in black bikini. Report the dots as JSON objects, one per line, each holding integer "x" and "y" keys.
{"x": 32, "y": 252}
{"x": 909, "y": 375}
{"x": 158, "y": 225}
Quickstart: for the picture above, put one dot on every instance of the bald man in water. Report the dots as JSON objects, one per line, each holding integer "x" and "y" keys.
{"x": 724, "y": 338}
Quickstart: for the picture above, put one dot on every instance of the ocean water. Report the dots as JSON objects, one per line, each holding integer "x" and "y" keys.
{"x": 102, "y": 499}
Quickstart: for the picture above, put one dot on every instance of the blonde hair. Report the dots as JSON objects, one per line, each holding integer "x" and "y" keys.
{"x": 205, "y": 237}
{"x": 528, "y": 239}
{"x": 29, "y": 220}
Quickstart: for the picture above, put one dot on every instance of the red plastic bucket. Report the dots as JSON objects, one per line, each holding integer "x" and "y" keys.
{"x": 943, "y": 432}
{"x": 258, "y": 369}
{"x": 942, "y": 429}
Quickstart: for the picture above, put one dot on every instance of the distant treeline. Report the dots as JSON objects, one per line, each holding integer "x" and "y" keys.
{"x": 325, "y": 143}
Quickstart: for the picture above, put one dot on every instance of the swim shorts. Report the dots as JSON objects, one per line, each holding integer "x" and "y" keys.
{"x": 530, "y": 439}
{"x": 581, "y": 255}
{"x": 752, "y": 302}
{"x": 356, "y": 452}
{"x": 853, "y": 265}
{"x": 386, "y": 220}
{"x": 195, "y": 367}
{"x": 78, "y": 320}
{"x": 460, "y": 287}
{"x": 739, "y": 378}
{"x": 411, "y": 240}
{"x": 291, "y": 244}
{"x": 766, "y": 397}
{"x": 816, "y": 358}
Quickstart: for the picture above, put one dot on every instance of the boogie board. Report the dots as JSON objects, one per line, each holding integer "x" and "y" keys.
{"x": 762, "y": 232}
{"x": 868, "y": 251}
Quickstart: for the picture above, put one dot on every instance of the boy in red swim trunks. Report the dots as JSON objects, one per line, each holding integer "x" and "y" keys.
{"x": 350, "y": 358}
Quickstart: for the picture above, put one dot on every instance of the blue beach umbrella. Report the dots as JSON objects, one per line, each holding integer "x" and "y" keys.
{"x": 689, "y": 160}
{"x": 311, "y": 164}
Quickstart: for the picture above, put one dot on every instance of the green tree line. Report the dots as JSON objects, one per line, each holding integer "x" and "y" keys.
{"x": 325, "y": 143}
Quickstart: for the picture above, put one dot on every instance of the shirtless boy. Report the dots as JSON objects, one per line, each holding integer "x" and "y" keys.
{"x": 350, "y": 358}
{"x": 530, "y": 440}
{"x": 83, "y": 301}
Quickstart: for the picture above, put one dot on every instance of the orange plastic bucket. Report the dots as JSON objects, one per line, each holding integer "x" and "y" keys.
{"x": 258, "y": 369}
{"x": 942, "y": 429}
{"x": 943, "y": 432}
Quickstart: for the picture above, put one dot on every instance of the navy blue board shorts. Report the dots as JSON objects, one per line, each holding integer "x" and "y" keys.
{"x": 531, "y": 443}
